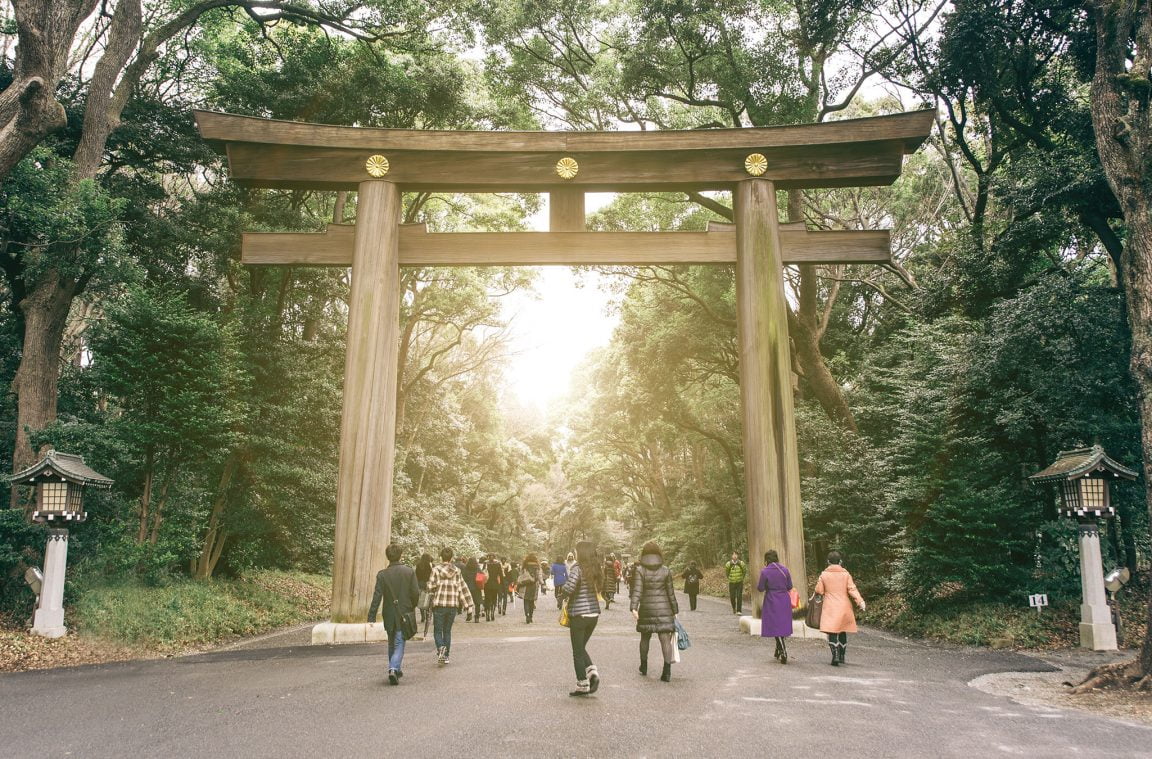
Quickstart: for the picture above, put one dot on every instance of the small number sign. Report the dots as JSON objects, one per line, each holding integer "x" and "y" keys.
{"x": 1038, "y": 600}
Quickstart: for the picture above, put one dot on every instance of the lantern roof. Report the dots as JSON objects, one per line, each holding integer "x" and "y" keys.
{"x": 1081, "y": 462}
{"x": 67, "y": 466}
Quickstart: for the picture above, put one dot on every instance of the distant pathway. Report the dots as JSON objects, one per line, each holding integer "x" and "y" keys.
{"x": 505, "y": 694}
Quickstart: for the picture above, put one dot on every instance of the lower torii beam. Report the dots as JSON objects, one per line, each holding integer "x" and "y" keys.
{"x": 418, "y": 247}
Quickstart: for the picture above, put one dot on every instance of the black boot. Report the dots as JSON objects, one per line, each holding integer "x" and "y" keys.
{"x": 835, "y": 653}
{"x": 644, "y": 665}
{"x": 843, "y": 650}
{"x": 666, "y": 675}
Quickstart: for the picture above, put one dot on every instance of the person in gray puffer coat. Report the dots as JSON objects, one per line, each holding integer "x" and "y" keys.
{"x": 653, "y": 604}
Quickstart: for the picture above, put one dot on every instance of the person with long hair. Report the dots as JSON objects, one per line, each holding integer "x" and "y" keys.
{"x": 653, "y": 604}
{"x": 493, "y": 587}
{"x": 836, "y": 618}
{"x": 528, "y": 585}
{"x": 584, "y": 583}
{"x": 471, "y": 569}
{"x": 423, "y": 574}
{"x": 776, "y": 613}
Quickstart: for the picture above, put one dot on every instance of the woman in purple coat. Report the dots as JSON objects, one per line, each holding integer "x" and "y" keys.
{"x": 776, "y": 614}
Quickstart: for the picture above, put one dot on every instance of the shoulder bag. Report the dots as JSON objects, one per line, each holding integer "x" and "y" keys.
{"x": 407, "y": 620}
{"x": 815, "y": 606}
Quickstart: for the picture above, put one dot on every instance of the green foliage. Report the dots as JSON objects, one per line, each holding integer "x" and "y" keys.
{"x": 47, "y": 220}
{"x": 21, "y": 545}
{"x": 186, "y": 614}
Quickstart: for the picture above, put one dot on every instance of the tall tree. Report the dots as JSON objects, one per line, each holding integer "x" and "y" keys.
{"x": 1121, "y": 106}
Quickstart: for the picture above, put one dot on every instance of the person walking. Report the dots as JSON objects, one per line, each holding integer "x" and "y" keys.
{"x": 776, "y": 613}
{"x": 737, "y": 572}
{"x": 397, "y": 589}
{"x": 580, "y": 590}
{"x": 837, "y": 618}
{"x": 449, "y": 593}
{"x": 692, "y": 577}
{"x": 528, "y": 585}
{"x": 423, "y": 574}
{"x": 545, "y": 574}
{"x": 493, "y": 587}
{"x": 559, "y": 577}
{"x": 611, "y": 583}
{"x": 653, "y": 604}
{"x": 475, "y": 588}
{"x": 508, "y": 587}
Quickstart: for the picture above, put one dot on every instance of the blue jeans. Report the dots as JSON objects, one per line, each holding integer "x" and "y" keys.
{"x": 442, "y": 619}
{"x": 395, "y": 648}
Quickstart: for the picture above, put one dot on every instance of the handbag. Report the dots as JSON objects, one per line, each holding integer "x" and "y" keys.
{"x": 794, "y": 597}
{"x": 564, "y": 614}
{"x": 682, "y": 641}
{"x": 815, "y": 606}
{"x": 425, "y": 601}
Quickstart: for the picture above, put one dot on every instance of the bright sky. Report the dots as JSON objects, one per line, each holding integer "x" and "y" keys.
{"x": 557, "y": 326}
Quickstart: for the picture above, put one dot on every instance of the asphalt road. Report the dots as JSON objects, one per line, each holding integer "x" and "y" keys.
{"x": 505, "y": 694}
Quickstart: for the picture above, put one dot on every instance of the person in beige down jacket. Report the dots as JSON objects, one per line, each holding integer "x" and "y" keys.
{"x": 837, "y": 618}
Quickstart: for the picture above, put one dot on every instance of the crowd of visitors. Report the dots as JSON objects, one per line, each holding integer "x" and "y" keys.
{"x": 585, "y": 585}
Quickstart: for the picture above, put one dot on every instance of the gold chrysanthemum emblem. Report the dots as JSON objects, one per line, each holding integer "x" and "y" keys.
{"x": 756, "y": 164}
{"x": 376, "y": 166}
{"x": 567, "y": 168}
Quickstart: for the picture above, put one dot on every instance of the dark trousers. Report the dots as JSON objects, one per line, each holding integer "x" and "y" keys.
{"x": 442, "y": 619}
{"x": 692, "y": 598}
{"x": 491, "y": 598}
{"x": 665, "y": 646}
{"x": 736, "y": 595}
{"x": 529, "y": 607}
{"x": 579, "y": 631}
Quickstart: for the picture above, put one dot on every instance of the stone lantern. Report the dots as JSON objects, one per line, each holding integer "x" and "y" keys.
{"x": 59, "y": 480}
{"x": 1084, "y": 476}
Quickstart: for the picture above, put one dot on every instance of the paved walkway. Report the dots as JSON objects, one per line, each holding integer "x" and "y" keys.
{"x": 505, "y": 694}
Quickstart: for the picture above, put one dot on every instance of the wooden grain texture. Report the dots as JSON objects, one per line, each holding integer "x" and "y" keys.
{"x": 771, "y": 461}
{"x": 419, "y": 248}
{"x": 333, "y": 168}
{"x": 910, "y": 128}
{"x": 368, "y": 422}
{"x": 566, "y": 210}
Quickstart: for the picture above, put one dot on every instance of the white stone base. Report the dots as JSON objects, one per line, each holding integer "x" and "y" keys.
{"x": 329, "y": 633}
{"x": 1098, "y": 636}
{"x": 751, "y": 625}
{"x": 49, "y": 623}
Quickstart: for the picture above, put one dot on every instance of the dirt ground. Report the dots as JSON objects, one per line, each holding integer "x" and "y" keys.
{"x": 20, "y": 651}
{"x": 1053, "y": 688}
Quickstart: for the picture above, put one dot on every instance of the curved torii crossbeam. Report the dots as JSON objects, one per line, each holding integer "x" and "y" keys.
{"x": 380, "y": 164}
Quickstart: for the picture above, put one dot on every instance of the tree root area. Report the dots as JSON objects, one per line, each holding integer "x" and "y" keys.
{"x": 1122, "y": 676}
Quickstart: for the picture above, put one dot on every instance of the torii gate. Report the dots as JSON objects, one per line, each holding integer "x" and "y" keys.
{"x": 380, "y": 164}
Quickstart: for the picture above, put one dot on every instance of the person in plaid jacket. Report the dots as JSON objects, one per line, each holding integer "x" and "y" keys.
{"x": 449, "y": 594}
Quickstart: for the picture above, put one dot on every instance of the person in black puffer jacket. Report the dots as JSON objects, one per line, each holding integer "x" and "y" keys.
{"x": 653, "y": 604}
{"x": 580, "y": 591}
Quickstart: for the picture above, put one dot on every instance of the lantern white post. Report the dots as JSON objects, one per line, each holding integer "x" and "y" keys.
{"x": 1096, "y": 629}
{"x": 49, "y": 619}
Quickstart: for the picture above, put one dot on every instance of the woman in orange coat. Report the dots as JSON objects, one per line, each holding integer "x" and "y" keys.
{"x": 836, "y": 618}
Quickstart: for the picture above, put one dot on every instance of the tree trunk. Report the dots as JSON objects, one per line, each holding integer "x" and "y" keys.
{"x": 215, "y": 537}
{"x": 45, "y": 312}
{"x": 1122, "y": 123}
{"x": 29, "y": 110}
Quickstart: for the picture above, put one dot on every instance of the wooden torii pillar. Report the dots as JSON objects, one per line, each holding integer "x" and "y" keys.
{"x": 380, "y": 164}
